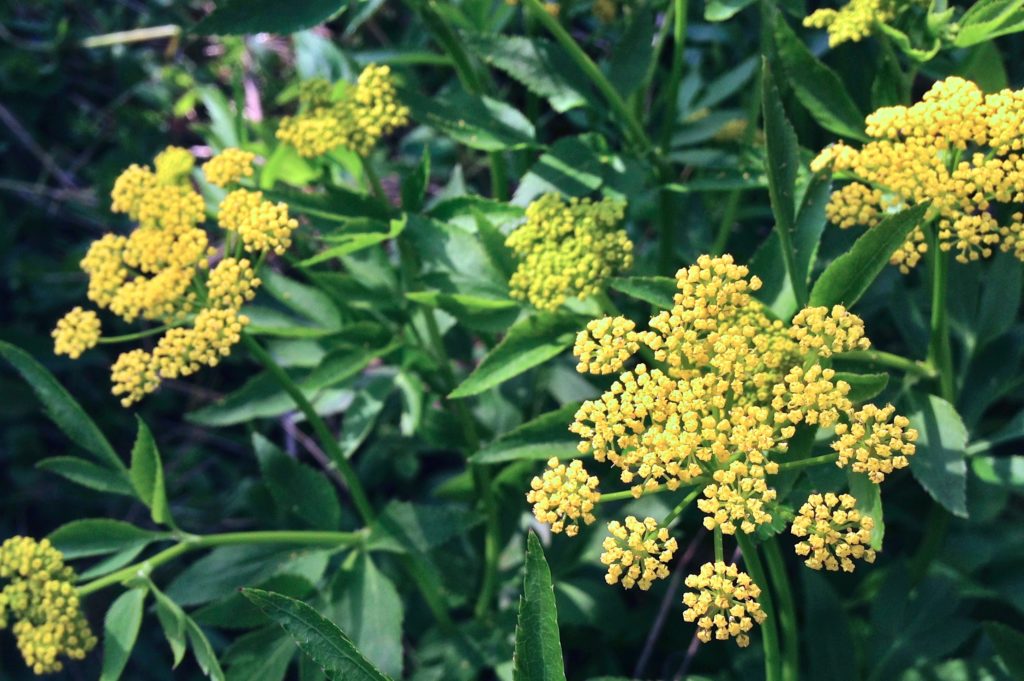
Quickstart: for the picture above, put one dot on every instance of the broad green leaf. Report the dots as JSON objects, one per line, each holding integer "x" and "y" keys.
{"x": 478, "y": 122}
{"x": 538, "y": 653}
{"x": 869, "y": 502}
{"x": 633, "y": 51}
{"x": 147, "y": 475}
{"x": 723, "y": 10}
{"x": 269, "y": 321}
{"x": 536, "y": 63}
{"x": 88, "y": 474}
{"x": 239, "y": 17}
{"x": 345, "y": 242}
{"x": 317, "y": 637}
{"x": 988, "y": 19}
{"x": 342, "y": 364}
{"x": 475, "y": 312}
{"x": 826, "y": 631}
{"x": 579, "y": 166}
{"x": 939, "y": 463}
{"x": 285, "y": 165}
{"x": 1009, "y": 644}
{"x": 120, "y": 630}
{"x": 781, "y": 157}
{"x": 114, "y": 561}
{"x": 727, "y": 84}
{"x": 863, "y": 386}
{"x": 172, "y": 621}
{"x": 465, "y": 210}
{"x": 544, "y": 437}
{"x": 362, "y": 414}
{"x": 815, "y": 85}
{"x": 416, "y": 183}
{"x": 305, "y": 300}
{"x": 847, "y": 278}
{"x": 333, "y": 204}
{"x": 61, "y": 408}
{"x": 203, "y": 651}
{"x": 95, "y": 537}
{"x": 234, "y": 611}
{"x": 1004, "y": 471}
{"x": 297, "y": 488}
{"x": 404, "y": 526}
{"x": 260, "y": 655}
{"x": 367, "y": 606}
{"x": 530, "y": 342}
{"x": 658, "y": 291}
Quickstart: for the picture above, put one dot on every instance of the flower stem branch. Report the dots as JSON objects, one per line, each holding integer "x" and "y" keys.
{"x": 807, "y": 463}
{"x": 892, "y": 361}
{"x": 189, "y": 543}
{"x": 769, "y": 632}
{"x": 786, "y": 609}
{"x": 687, "y": 500}
{"x": 939, "y": 351}
{"x": 138, "y": 335}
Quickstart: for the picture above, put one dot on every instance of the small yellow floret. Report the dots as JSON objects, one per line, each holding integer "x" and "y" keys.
{"x": 723, "y": 602}
{"x": 876, "y": 442}
{"x": 76, "y": 332}
{"x": 605, "y": 345}
{"x": 834, "y": 532}
{"x": 228, "y": 167}
{"x": 637, "y": 552}
{"x": 564, "y": 493}
{"x": 262, "y": 225}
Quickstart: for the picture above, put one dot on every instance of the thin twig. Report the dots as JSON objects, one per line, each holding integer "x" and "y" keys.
{"x": 310, "y": 445}
{"x": 33, "y": 147}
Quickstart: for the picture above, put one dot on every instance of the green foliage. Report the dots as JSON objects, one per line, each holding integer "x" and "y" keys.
{"x": 538, "y": 655}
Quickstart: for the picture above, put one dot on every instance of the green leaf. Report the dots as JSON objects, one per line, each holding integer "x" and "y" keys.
{"x": 367, "y": 606}
{"x": 847, "y": 278}
{"x": 538, "y": 653}
{"x": 530, "y": 342}
{"x": 172, "y": 621}
{"x": 815, "y": 85}
{"x": 120, "y": 630}
{"x": 869, "y": 502}
{"x": 238, "y": 17}
{"x": 1004, "y": 471}
{"x": 350, "y": 242}
{"x": 658, "y": 291}
{"x": 297, "y": 488}
{"x": 863, "y": 386}
{"x": 260, "y": 655}
{"x": 478, "y": 122}
{"x": 579, "y": 166}
{"x": 781, "y": 158}
{"x": 416, "y": 183}
{"x": 537, "y": 64}
{"x": 87, "y": 474}
{"x": 541, "y": 438}
{"x": 61, "y": 408}
{"x": 362, "y": 414}
{"x": 1009, "y": 644}
{"x": 404, "y": 526}
{"x": 481, "y": 313}
{"x": 308, "y": 301}
{"x": 988, "y": 19}
{"x": 203, "y": 651}
{"x": 632, "y": 52}
{"x": 97, "y": 536}
{"x": 723, "y": 10}
{"x": 317, "y": 637}
{"x": 827, "y": 631}
{"x": 147, "y": 475}
{"x": 939, "y": 463}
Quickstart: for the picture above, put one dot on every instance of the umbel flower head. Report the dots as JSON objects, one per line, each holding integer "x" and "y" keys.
{"x": 875, "y": 442}
{"x": 959, "y": 151}
{"x": 563, "y": 496}
{"x": 637, "y": 552}
{"x": 568, "y": 248}
{"x": 834, "y": 533}
{"x": 40, "y": 605}
{"x": 161, "y": 270}
{"x": 855, "y": 20}
{"x": 723, "y": 602}
{"x": 356, "y": 120}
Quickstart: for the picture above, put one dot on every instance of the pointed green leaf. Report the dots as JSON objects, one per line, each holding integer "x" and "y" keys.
{"x": 172, "y": 621}
{"x": 538, "y": 654}
{"x": 478, "y": 122}
{"x": 317, "y": 637}
{"x": 147, "y": 475}
{"x": 863, "y": 386}
{"x": 297, "y": 488}
{"x": 541, "y": 438}
{"x": 120, "y": 630}
{"x": 939, "y": 463}
{"x": 203, "y": 651}
{"x": 367, "y": 607}
{"x": 658, "y": 291}
{"x": 98, "y": 536}
{"x": 87, "y": 474}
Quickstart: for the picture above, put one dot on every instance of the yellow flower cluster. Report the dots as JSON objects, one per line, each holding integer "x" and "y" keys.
{"x": 262, "y": 225}
{"x": 852, "y": 22}
{"x": 959, "y": 150}
{"x": 564, "y": 493}
{"x": 605, "y": 345}
{"x": 568, "y": 248}
{"x": 76, "y": 332}
{"x": 739, "y": 494}
{"x": 876, "y": 442}
{"x": 637, "y": 552}
{"x": 368, "y": 110}
{"x": 834, "y": 531}
{"x": 723, "y": 603}
{"x": 154, "y": 272}
{"x": 823, "y": 332}
{"x": 228, "y": 167}
{"x": 811, "y": 396}
{"x": 40, "y": 599}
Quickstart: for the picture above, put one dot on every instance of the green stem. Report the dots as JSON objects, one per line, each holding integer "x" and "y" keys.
{"x": 682, "y": 505}
{"x": 939, "y": 350}
{"x": 888, "y": 359}
{"x": 197, "y": 542}
{"x": 787, "y": 610}
{"x": 719, "y": 549}
{"x": 134, "y": 336}
{"x": 631, "y": 125}
{"x": 628, "y": 494}
{"x": 376, "y": 188}
{"x": 807, "y": 463}
{"x": 679, "y": 9}
{"x": 769, "y": 632}
{"x": 323, "y": 434}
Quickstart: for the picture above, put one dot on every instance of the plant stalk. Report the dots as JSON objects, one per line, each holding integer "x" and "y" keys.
{"x": 787, "y": 610}
{"x": 769, "y": 632}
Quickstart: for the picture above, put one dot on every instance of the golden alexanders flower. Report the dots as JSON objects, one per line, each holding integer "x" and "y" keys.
{"x": 637, "y": 552}
{"x": 563, "y": 496}
{"x": 228, "y": 167}
{"x": 739, "y": 498}
{"x": 959, "y": 151}
{"x": 76, "y": 332}
{"x": 568, "y": 248}
{"x": 605, "y": 345}
{"x": 834, "y": 532}
{"x": 39, "y": 598}
{"x": 876, "y": 442}
{"x": 723, "y": 602}
{"x": 854, "y": 21}
{"x": 365, "y": 112}
{"x": 262, "y": 225}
